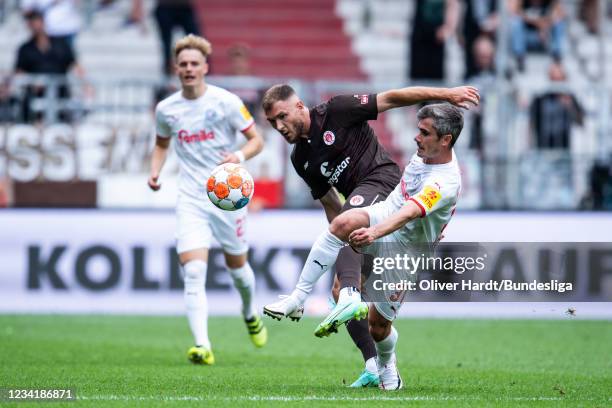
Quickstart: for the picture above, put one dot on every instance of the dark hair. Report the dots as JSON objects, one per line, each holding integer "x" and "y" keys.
{"x": 447, "y": 119}
{"x": 279, "y": 92}
{"x": 32, "y": 14}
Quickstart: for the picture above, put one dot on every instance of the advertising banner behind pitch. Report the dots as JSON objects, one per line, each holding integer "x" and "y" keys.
{"x": 91, "y": 261}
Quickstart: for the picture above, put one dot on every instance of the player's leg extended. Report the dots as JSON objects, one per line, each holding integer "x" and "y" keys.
{"x": 229, "y": 228}
{"x": 380, "y": 319}
{"x": 350, "y": 305}
{"x": 194, "y": 265}
{"x": 244, "y": 281}
{"x": 321, "y": 258}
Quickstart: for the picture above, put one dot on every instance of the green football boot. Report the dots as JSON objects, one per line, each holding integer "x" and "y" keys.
{"x": 341, "y": 314}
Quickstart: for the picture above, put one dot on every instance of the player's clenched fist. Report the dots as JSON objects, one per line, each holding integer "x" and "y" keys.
{"x": 153, "y": 183}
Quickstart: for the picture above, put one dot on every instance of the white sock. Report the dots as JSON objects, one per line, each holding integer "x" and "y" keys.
{"x": 195, "y": 299}
{"x": 370, "y": 365}
{"x": 385, "y": 349}
{"x": 244, "y": 281}
{"x": 349, "y": 294}
{"x": 321, "y": 258}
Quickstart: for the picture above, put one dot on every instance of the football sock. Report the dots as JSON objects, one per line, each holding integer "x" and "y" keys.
{"x": 358, "y": 330}
{"x": 195, "y": 299}
{"x": 348, "y": 268}
{"x": 386, "y": 347}
{"x": 349, "y": 294}
{"x": 244, "y": 281}
{"x": 321, "y": 258}
{"x": 370, "y": 364}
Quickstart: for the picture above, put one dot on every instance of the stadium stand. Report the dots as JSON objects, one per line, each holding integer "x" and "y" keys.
{"x": 303, "y": 40}
{"x": 334, "y": 47}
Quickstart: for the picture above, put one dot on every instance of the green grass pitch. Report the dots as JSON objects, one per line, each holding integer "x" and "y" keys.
{"x": 140, "y": 361}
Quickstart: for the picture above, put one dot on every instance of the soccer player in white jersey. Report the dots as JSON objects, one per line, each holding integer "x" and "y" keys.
{"x": 203, "y": 121}
{"x": 415, "y": 212}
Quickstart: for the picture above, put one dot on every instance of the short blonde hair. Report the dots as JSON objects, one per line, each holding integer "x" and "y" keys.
{"x": 193, "y": 42}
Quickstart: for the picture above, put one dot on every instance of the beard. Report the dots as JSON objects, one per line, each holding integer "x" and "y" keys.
{"x": 298, "y": 130}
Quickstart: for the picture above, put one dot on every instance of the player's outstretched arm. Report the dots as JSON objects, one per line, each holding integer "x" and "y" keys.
{"x": 461, "y": 96}
{"x": 251, "y": 148}
{"x": 365, "y": 236}
{"x": 158, "y": 158}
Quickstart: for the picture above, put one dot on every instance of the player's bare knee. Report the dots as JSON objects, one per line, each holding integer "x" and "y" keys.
{"x": 341, "y": 227}
{"x": 376, "y": 331}
{"x": 379, "y": 326}
{"x": 235, "y": 261}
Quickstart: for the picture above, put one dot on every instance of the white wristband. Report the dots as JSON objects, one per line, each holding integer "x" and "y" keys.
{"x": 240, "y": 156}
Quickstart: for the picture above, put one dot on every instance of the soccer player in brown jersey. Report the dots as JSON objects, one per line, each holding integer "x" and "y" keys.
{"x": 335, "y": 147}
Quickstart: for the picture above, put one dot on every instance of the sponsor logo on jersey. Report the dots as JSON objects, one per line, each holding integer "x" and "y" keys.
{"x": 324, "y": 170}
{"x": 356, "y": 200}
{"x": 245, "y": 113}
{"x": 329, "y": 138}
{"x": 363, "y": 99}
{"x": 336, "y": 174}
{"x": 429, "y": 196}
{"x": 201, "y": 136}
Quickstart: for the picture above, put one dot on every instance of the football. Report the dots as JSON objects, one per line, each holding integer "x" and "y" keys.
{"x": 230, "y": 187}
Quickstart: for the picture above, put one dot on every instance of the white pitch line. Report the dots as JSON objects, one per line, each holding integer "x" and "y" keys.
{"x": 316, "y": 398}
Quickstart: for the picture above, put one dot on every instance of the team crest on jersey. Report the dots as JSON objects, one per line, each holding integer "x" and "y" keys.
{"x": 329, "y": 138}
{"x": 211, "y": 115}
{"x": 356, "y": 200}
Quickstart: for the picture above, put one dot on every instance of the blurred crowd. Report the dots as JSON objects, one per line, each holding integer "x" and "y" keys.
{"x": 533, "y": 26}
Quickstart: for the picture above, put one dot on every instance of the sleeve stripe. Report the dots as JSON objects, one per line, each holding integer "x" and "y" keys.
{"x": 248, "y": 127}
{"x": 420, "y": 206}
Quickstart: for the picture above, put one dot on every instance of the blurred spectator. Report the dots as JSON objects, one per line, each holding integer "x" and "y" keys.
{"x": 42, "y": 54}
{"x": 483, "y": 77}
{"x": 553, "y": 113}
{"x": 5, "y": 193}
{"x": 62, "y": 17}
{"x": 537, "y": 25}
{"x": 483, "y": 55}
{"x": 9, "y": 104}
{"x": 239, "y": 56}
{"x": 169, "y": 14}
{"x": 589, "y": 14}
{"x": 480, "y": 18}
{"x": 435, "y": 21}
{"x": 240, "y": 59}
{"x": 600, "y": 177}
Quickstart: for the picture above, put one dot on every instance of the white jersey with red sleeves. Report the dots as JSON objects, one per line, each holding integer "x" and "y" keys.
{"x": 435, "y": 189}
{"x": 203, "y": 129}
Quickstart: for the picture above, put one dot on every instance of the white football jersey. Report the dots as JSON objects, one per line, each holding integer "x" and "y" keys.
{"x": 202, "y": 130}
{"x": 435, "y": 189}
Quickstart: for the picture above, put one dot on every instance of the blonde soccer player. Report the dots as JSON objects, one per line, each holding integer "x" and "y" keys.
{"x": 202, "y": 121}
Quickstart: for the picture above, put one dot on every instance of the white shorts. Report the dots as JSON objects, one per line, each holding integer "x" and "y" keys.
{"x": 388, "y": 310}
{"x": 198, "y": 220}
{"x": 377, "y": 213}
